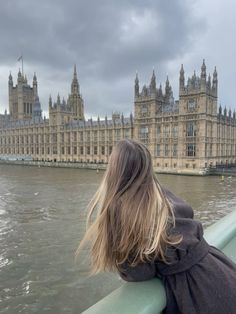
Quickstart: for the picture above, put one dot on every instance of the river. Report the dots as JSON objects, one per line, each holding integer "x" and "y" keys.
{"x": 42, "y": 219}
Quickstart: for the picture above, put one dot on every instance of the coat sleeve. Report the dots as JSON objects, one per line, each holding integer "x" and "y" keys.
{"x": 141, "y": 272}
{"x": 180, "y": 207}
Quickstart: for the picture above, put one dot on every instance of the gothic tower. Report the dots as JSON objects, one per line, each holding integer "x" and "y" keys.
{"x": 75, "y": 101}
{"x": 21, "y": 97}
{"x": 198, "y": 104}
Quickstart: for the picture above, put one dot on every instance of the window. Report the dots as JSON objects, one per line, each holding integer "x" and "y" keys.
{"x": 191, "y": 129}
{"x": 109, "y": 135}
{"x": 174, "y": 150}
{"x": 143, "y": 133}
{"x": 210, "y": 150}
{"x": 166, "y": 131}
{"x": 88, "y": 150}
{"x": 103, "y": 150}
{"x": 62, "y": 137}
{"x": 158, "y": 151}
{"x": 102, "y": 135}
{"x": 158, "y": 131}
{"x": 190, "y": 150}
{"x": 75, "y": 150}
{"x": 54, "y": 137}
{"x": 127, "y": 133}
{"x": 191, "y": 104}
{"x": 175, "y": 131}
{"x": 144, "y": 110}
{"x": 117, "y": 134}
{"x": 95, "y": 150}
{"x": 166, "y": 149}
{"x": 81, "y": 150}
{"x": 110, "y": 149}
{"x": 88, "y": 136}
{"x": 95, "y": 136}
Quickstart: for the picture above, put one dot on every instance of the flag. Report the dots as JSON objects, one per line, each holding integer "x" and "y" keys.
{"x": 20, "y": 58}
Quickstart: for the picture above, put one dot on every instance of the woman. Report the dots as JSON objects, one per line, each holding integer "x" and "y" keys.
{"x": 142, "y": 230}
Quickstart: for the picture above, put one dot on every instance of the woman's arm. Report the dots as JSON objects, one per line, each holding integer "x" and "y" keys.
{"x": 141, "y": 272}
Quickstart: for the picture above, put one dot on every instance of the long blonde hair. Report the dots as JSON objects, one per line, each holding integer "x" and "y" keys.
{"x": 133, "y": 214}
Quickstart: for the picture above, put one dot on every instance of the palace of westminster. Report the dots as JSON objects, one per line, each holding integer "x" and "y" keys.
{"x": 189, "y": 135}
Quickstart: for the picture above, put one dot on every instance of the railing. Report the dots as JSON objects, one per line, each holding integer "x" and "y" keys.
{"x": 148, "y": 297}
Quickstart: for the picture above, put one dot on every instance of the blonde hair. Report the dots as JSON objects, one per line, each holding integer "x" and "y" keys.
{"x": 133, "y": 214}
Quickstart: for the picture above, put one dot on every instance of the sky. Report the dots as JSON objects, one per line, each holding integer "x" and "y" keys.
{"x": 109, "y": 41}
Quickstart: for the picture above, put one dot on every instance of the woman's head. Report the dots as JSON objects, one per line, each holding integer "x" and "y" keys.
{"x": 132, "y": 211}
{"x": 129, "y": 168}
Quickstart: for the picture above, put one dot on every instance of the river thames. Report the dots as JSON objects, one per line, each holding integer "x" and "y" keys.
{"x": 42, "y": 219}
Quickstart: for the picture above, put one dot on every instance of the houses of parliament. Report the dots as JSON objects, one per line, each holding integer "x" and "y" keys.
{"x": 189, "y": 135}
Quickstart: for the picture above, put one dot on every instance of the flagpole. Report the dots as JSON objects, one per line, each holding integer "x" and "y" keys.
{"x": 22, "y": 64}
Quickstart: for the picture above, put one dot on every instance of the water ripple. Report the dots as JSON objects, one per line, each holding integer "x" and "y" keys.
{"x": 42, "y": 218}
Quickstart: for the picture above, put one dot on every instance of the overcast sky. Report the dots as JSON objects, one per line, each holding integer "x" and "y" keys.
{"x": 109, "y": 41}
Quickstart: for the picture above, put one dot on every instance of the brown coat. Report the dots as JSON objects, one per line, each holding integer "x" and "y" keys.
{"x": 200, "y": 278}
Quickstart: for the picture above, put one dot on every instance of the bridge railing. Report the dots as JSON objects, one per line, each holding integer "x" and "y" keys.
{"x": 149, "y": 297}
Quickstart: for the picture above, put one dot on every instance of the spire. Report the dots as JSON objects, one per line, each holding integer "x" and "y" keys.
{"x": 181, "y": 78}
{"x": 10, "y": 80}
{"x": 215, "y": 75}
{"x": 220, "y": 110}
{"x": 209, "y": 81}
{"x": 203, "y": 69}
{"x": 167, "y": 88}
{"x": 58, "y": 100}
{"x": 234, "y": 114}
{"x": 63, "y": 102}
{"x": 225, "y": 111}
{"x": 230, "y": 112}
{"x": 75, "y": 72}
{"x": 203, "y": 75}
{"x": 136, "y": 85}
{"x": 75, "y": 83}
{"x": 215, "y": 82}
{"x": 160, "y": 91}
{"x": 153, "y": 82}
{"x": 50, "y": 101}
{"x": 35, "y": 85}
{"x": 122, "y": 118}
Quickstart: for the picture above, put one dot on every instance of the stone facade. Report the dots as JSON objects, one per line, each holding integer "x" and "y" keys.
{"x": 185, "y": 136}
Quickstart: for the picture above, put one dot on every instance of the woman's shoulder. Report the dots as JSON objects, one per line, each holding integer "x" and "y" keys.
{"x": 180, "y": 207}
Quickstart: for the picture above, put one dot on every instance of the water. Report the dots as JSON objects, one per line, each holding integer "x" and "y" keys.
{"x": 42, "y": 221}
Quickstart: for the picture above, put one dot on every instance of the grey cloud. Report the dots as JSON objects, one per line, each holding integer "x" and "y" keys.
{"x": 109, "y": 41}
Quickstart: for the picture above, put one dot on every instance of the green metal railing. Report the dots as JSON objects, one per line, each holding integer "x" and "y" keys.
{"x": 148, "y": 297}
